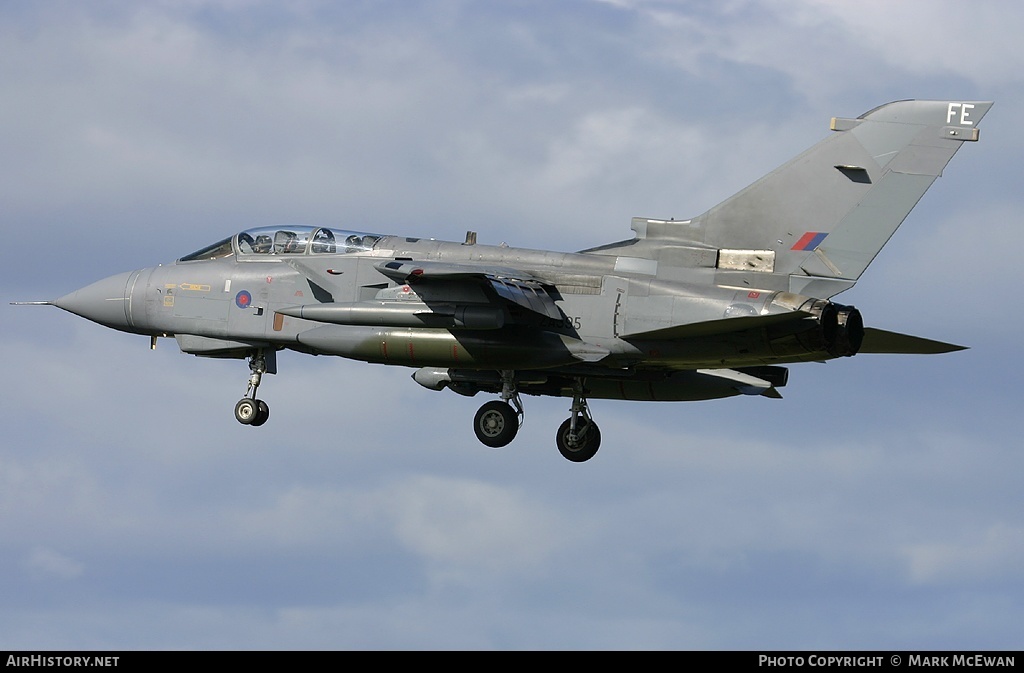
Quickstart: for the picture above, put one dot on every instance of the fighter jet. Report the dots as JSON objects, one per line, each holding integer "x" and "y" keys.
{"x": 696, "y": 309}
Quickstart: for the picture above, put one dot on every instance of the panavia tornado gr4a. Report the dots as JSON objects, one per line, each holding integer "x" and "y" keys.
{"x": 692, "y": 309}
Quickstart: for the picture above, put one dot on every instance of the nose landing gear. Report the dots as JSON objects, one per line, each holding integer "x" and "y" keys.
{"x": 249, "y": 410}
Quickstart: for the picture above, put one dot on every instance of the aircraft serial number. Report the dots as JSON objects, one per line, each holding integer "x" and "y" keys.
{"x": 568, "y": 322}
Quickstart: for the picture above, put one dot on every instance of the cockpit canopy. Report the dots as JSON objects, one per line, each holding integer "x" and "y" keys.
{"x": 288, "y": 240}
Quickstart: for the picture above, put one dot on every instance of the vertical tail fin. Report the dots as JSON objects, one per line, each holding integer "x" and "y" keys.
{"x": 829, "y": 211}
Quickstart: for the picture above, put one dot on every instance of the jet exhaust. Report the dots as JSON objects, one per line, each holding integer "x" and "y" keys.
{"x": 840, "y": 331}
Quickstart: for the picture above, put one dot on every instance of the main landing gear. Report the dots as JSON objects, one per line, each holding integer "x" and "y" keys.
{"x": 497, "y": 422}
{"x": 249, "y": 410}
{"x": 578, "y": 438}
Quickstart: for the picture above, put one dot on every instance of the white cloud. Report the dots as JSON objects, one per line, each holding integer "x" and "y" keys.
{"x": 46, "y": 563}
{"x": 832, "y": 46}
{"x": 993, "y": 555}
{"x": 476, "y": 525}
{"x": 974, "y": 41}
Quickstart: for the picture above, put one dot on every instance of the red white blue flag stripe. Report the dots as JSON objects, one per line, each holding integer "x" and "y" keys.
{"x": 810, "y": 240}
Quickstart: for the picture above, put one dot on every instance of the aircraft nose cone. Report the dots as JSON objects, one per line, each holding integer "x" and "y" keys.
{"x": 104, "y": 301}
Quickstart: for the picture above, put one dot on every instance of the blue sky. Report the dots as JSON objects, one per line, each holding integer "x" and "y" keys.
{"x": 876, "y": 506}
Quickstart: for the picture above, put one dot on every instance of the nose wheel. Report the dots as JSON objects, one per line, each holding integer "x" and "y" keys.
{"x": 249, "y": 410}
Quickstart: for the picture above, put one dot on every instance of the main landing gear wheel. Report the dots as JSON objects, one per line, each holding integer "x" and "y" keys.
{"x": 578, "y": 438}
{"x": 581, "y": 445}
{"x": 496, "y": 424}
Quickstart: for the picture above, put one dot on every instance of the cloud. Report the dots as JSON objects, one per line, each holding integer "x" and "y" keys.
{"x": 459, "y": 522}
{"x": 46, "y": 563}
{"x": 832, "y": 47}
{"x": 969, "y": 41}
{"x": 992, "y": 555}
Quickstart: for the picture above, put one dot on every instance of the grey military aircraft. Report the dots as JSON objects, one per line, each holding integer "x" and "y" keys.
{"x": 695, "y": 309}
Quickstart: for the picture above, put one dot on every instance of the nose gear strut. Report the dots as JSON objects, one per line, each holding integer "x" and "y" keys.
{"x": 249, "y": 410}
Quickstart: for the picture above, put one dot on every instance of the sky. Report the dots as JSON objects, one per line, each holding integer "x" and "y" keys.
{"x": 877, "y": 505}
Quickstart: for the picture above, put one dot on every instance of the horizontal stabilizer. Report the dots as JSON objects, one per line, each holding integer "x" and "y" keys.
{"x": 881, "y": 341}
{"x": 723, "y": 326}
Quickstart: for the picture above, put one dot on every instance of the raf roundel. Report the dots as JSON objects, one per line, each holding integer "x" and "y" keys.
{"x": 243, "y": 299}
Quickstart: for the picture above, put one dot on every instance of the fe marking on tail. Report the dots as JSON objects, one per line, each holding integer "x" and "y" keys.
{"x": 961, "y": 110}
